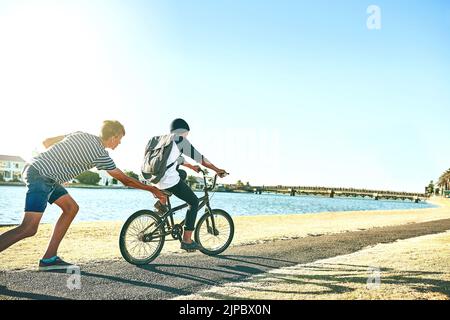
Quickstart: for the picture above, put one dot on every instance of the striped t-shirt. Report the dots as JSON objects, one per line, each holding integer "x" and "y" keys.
{"x": 76, "y": 153}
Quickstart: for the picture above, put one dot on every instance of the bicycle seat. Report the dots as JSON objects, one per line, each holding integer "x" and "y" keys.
{"x": 167, "y": 193}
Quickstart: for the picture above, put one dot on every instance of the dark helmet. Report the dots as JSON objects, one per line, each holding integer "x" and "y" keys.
{"x": 179, "y": 125}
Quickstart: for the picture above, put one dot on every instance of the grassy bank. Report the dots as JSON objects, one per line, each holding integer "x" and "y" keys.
{"x": 96, "y": 241}
{"x": 11, "y": 184}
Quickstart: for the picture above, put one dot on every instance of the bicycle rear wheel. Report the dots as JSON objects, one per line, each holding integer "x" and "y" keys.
{"x": 133, "y": 247}
{"x": 214, "y": 241}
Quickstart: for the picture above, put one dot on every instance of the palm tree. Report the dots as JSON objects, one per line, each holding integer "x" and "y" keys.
{"x": 444, "y": 180}
{"x": 430, "y": 187}
{"x": 132, "y": 174}
{"x": 191, "y": 181}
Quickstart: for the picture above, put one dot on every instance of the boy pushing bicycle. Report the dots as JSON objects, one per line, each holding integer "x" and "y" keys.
{"x": 65, "y": 158}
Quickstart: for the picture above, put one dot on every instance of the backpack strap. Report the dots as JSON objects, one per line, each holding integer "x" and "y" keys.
{"x": 171, "y": 165}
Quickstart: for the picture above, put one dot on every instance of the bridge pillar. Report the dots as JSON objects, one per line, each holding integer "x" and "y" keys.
{"x": 292, "y": 192}
{"x": 331, "y": 193}
{"x": 257, "y": 191}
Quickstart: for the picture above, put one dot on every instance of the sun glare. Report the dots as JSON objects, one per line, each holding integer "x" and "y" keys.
{"x": 51, "y": 68}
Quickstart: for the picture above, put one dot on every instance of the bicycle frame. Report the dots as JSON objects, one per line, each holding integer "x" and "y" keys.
{"x": 167, "y": 218}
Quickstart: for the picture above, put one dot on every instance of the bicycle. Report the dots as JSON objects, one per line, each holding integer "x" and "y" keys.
{"x": 143, "y": 234}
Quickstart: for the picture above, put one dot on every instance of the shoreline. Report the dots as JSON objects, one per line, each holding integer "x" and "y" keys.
{"x": 88, "y": 242}
{"x": 432, "y": 201}
{"x": 235, "y": 191}
{"x": 80, "y": 186}
{"x": 438, "y": 202}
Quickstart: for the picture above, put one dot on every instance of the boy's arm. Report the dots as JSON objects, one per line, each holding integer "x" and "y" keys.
{"x": 209, "y": 165}
{"x": 133, "y": 183}
{"x": 188, "y": 149}
{"x": 191, "y": 166}
{"x": 51, "y": 141}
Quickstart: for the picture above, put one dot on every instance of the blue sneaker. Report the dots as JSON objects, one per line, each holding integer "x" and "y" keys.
{"x": 54, "y": 263}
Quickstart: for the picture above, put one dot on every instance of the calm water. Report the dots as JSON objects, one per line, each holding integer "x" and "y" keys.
{"x": 108, "y": 204}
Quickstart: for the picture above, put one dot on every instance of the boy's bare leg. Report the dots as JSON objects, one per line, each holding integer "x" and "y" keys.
{"x": 70, "y": 209}
{"x": 27, "y": 228}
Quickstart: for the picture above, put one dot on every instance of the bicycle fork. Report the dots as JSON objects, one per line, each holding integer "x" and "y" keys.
{"x": 210, "y": 223}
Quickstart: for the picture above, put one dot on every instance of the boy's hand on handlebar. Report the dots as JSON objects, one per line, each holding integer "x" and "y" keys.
{"x": 160, "y": 196}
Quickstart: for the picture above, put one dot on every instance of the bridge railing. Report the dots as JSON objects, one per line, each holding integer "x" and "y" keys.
{"x": 342, "y": 190}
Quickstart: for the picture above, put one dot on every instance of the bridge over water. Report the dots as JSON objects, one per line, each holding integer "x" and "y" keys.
{"x": 342, "y": 192}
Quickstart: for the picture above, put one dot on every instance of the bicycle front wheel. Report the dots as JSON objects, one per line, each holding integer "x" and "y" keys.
{"x": 141, "y": 240}
{"x": 214, "y": 232}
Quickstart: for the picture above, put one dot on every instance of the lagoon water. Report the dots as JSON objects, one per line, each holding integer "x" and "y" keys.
{"x": 118, "y": 204}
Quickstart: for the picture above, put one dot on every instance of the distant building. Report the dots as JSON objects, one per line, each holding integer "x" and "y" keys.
{"x": 11, "y": 167}
{"x": 199, "y": 184}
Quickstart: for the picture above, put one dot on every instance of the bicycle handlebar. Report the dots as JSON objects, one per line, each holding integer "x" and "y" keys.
{"x": 210, "y": 188}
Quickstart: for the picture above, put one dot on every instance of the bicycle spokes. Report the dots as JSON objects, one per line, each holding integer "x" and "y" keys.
{"x": 215, "y": 232}
{"x": 142, "y": 238}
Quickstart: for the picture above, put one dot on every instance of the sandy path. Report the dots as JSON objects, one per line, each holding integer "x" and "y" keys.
{"x": 172, "y": 275}
{"x": 98, "y": 241}
{"x": 416, "y": 268}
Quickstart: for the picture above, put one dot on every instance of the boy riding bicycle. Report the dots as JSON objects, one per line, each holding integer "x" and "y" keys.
{"x": 168, "y": 177}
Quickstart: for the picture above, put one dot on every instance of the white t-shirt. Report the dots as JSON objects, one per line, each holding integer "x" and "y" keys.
{"x": 180, "y": 146}
{"x": 171, "y": 177}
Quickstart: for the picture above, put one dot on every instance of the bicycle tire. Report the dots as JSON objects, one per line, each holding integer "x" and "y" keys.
{"x": 125, "y": 251}
{"x": 198, "y": 238}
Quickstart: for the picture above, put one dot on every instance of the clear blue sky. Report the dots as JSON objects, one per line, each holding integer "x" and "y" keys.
{"x": 276, "y": 92}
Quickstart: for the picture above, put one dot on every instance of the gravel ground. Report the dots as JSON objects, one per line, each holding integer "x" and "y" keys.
{"x": 175, "y": 275}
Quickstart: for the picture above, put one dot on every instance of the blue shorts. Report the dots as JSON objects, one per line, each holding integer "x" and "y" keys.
{"x": 40, "y": 191}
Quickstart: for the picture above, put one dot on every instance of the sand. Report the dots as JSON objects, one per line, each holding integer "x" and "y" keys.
{"x": 416, "y": 268}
